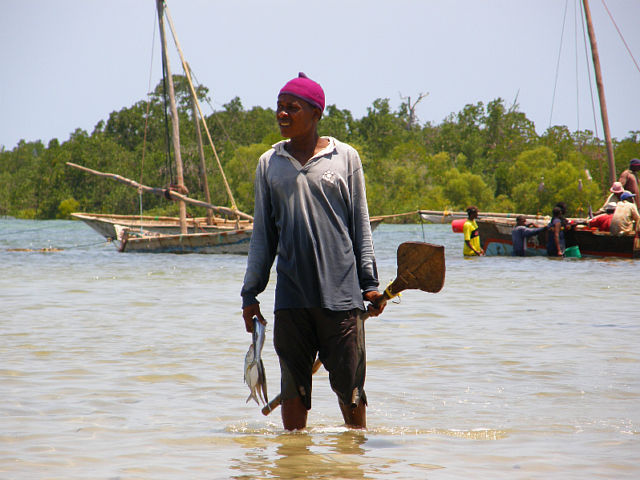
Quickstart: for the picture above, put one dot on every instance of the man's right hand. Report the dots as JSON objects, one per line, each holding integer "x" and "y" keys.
{"x": 378, "y": 302}
{"x": 249, "y": 312}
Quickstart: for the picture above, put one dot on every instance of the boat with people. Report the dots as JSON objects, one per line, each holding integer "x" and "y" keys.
{"x": 496, "y": 232}
{"x": 495, "y": 235}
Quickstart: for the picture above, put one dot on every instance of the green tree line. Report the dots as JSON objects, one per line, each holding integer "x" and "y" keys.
{"x": 487, "y": 155}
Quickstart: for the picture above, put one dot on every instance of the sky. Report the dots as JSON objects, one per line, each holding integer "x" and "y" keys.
{"x": 68, "y": 64}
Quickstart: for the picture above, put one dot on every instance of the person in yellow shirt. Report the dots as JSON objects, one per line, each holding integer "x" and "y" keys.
{"x": 472, "y": 246}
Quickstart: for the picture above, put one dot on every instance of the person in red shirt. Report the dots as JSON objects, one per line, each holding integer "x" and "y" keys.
{"x": 603, "y": 222}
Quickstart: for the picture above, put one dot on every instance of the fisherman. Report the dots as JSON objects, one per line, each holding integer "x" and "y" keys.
{"x": 626, "y": 213}
{"x": 568, "y": 231}
{"x": 629, "y": 180}
{"x": 520, "y": 234}
{"x": 471, "y": 233}
{"x": 555, "y": 235}
{"x": 311, "y": 211}
{"x": 616, "y": 190}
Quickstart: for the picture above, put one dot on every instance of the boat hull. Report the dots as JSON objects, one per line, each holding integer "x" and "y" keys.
{"x": 107, "y": 225}
{"x": 231, "y": 242}
{"x": 495, "y": 236}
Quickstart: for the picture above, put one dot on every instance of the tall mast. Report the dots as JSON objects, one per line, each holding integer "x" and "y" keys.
{"x": 175, "y": 132}
{"x": 603, "y": 104}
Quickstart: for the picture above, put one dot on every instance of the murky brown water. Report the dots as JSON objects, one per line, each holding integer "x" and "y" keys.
{"x": 130, "y": 366}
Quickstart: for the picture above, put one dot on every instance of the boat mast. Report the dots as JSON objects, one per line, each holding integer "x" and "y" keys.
{"x": 175, "y": 132}
{"x": 603, "y": 104}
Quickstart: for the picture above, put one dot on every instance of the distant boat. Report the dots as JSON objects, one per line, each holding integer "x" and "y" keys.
{"x": 445, "y": 216}
{"x": 108, "y": 224}
{"x": 440, "y": 216}
{"x": 495, "y": 235}
{"x": 174, "y": 234}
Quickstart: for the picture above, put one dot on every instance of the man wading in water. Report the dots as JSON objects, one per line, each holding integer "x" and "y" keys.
{"x": 311, "y": 210}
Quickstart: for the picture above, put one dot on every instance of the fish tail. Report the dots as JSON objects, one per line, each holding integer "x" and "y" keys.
{"x": 264, "y": 382}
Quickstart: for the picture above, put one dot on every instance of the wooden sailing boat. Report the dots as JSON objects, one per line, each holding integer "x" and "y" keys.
{"x": 495, "y": 233}
{"x": 229, "y": 233}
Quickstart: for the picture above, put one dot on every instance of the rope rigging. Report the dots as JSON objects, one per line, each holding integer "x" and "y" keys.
{"x": 586, "y": 56}
{"x": 213, "y": 110}
{"x": 621, "y": 36}
{"x": 146, "y": 117}
{"x": 187, "y": 74}
{"x": 555, "y": 83}
{"x": 168, "y": 159}
{"x": 575, "y": 34}
{"x": 579, "y": 15}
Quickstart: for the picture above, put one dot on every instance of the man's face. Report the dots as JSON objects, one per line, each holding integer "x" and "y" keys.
{"x": 295, "y": 116}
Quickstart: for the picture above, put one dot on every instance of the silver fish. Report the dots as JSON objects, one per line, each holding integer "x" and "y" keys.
{"x": 254, "y": 375}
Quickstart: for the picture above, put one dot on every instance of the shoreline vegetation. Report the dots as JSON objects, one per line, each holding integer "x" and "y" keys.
{"x": 487, "y": 155}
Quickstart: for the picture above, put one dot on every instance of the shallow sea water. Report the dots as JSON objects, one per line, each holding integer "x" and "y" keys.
{"x": 129, "y": 366}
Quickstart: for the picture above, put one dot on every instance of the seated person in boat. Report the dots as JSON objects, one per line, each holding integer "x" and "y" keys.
{"x": 616, "y": 190}
{"x": 603, "y": 222}
{"x": 520, "y": 234}
{"x": 625, "y": 215}
{"x": 471, "y": 233}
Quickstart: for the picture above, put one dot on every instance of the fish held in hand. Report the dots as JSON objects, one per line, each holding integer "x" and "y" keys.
{"x": 254, "y": 375}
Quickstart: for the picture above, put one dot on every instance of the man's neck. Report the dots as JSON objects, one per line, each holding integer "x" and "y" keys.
{"x": 303, "y": 149}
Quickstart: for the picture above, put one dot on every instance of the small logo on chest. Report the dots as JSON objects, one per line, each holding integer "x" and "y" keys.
{"x": 329, "y": 176}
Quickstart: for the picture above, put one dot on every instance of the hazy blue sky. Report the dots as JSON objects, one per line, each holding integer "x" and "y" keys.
{"x": 67, "y": 64}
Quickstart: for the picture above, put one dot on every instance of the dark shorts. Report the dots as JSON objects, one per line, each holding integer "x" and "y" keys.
{"x": 338, "y": 340}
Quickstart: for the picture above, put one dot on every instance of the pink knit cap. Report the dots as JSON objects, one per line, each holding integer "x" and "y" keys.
{"x": 306, "y": 89}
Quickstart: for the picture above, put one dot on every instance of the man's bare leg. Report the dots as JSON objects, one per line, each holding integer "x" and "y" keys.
{"x": 294, "y": 414}
{"x": 354, "y": 417}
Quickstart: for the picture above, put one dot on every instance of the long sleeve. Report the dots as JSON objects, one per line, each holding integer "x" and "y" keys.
{"x": 361, "y": 234}
{"x": 264, "y": 241}
{"x": 530, "y": 232}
